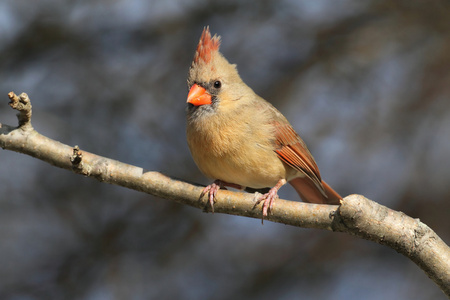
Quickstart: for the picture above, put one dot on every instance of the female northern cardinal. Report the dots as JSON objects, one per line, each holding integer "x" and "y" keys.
{"x": 241, "y": 140}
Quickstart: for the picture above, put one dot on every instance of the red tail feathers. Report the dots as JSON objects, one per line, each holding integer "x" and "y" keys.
{"x": 309, "y": 192}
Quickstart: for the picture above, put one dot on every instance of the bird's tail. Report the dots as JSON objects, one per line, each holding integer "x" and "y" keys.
{"x": 309, "y": 192}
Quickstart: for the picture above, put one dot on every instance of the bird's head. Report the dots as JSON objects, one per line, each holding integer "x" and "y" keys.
{"x": 212, "y": 79}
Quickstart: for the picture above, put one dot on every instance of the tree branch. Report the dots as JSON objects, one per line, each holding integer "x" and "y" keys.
{"x": 356, "y": 215}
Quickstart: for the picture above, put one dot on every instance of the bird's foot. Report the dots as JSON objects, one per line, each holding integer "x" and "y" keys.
{"x": 213, "y": 188}
{"x": 269, "y": 198}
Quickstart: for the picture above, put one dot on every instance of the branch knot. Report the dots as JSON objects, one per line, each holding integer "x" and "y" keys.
{"x": 23, "y": 105}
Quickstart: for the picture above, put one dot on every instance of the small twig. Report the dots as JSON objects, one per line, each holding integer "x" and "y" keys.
{"x": 23, "y": 105}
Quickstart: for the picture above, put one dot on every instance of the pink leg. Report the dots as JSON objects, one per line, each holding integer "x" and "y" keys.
{"x": 213, "y": 188}
{"x": 270, "y": 197}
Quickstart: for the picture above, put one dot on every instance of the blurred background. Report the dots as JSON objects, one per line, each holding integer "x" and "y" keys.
{"x": 365, "y": 83}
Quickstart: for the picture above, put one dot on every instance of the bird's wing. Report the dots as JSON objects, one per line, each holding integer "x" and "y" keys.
{"x": 291, "y": 149}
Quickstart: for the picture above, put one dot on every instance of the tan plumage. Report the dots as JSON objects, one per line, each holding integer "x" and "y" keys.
{"x": 239, "y": 139}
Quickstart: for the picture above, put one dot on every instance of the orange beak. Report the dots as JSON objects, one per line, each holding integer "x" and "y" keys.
{"x": 198, "y": 96}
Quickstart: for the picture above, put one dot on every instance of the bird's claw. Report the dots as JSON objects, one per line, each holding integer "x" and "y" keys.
{"x": 269, "y": 200}
{"x": 212, "y": 190}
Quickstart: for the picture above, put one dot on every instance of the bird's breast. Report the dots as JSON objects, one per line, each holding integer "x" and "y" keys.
{"x": 235, "y": 150}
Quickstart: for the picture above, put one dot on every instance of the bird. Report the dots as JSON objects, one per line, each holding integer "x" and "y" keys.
{"x": 242, "y": 141}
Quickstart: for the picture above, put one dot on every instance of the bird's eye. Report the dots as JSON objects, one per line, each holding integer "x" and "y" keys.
{"x": 217, "y": 84}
